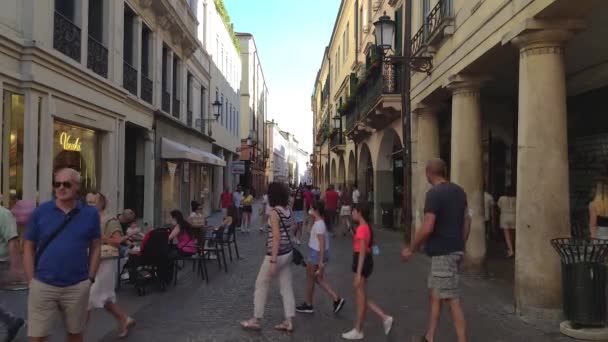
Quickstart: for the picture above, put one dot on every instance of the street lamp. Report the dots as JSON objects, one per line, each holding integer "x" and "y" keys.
{"x": 217, "y": 106}
{"x": 338, "y": 127}
{"x": 384, "y": 33}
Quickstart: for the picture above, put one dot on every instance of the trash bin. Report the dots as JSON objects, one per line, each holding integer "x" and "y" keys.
{"x": 387, "y": 215}
{"x": 583, "y": 279}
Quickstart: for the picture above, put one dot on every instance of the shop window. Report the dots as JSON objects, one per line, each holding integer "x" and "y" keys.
{"x": 77, "y": 148}
{"x": 12, "y": 148}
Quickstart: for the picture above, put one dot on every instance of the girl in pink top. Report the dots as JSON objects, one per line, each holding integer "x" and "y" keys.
{"x": 186, "y": 240}
{"x": 363, "y": 264}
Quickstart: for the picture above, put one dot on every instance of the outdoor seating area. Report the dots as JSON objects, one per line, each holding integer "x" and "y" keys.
{"x": 158, "y": 263}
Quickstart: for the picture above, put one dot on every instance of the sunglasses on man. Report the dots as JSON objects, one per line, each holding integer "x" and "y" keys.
{"x": 66, "y": 185}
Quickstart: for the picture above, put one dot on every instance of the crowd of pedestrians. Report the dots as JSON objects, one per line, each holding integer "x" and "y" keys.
{"x": 443, "y": 235}
{"x": 70, "y": 250}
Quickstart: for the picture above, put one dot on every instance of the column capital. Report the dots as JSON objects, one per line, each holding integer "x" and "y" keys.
{"x": 538, "y": 36}
{"x": 422, "y": 108}
{"x": 466, "y": 84}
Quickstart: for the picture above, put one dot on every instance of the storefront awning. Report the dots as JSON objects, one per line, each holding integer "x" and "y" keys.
{"x": 176, "y": 151}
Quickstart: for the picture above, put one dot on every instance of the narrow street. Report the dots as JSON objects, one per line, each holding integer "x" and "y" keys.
{"x": 194, "y": 311}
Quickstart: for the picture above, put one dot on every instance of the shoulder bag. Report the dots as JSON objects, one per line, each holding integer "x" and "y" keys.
{"x": 53, "y": 236}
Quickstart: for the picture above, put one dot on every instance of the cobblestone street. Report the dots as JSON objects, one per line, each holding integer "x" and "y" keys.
{"x": 194, "y": 311}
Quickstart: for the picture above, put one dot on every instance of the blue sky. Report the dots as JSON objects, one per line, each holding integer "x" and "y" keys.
{"x": 291, "y": 36}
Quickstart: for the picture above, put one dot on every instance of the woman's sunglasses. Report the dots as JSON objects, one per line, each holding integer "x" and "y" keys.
{"x": 66, "y": 185}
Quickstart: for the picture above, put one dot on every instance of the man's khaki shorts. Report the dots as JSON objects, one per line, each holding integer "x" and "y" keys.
{"x": 46, "y": 301}
{"x": 444, "y": 276}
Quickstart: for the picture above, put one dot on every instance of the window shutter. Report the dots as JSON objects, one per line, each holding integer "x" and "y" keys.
{"x": 399, "y": 31}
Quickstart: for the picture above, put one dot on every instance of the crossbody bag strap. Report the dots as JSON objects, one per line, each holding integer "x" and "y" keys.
{"x": 55, "y": 234}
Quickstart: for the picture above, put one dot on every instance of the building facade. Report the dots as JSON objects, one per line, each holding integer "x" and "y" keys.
{"x": 219, "y": 40}
{"x": 118, "y": 90}
{"x": 512, "y": 102}
{"x": 254, "y": 108}
{"x": 357, "y": 104}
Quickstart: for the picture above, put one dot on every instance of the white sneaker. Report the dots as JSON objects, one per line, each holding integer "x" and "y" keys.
{"x": 353, "y": 335}
{"x": 388, "y": 325}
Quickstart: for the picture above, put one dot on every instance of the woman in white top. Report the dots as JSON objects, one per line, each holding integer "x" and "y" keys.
{"x": 506, "y": 204}
{"x": 315, "y": 263}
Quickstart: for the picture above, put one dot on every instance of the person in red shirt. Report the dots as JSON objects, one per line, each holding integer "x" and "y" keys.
{"x": 225, "y": 201}
{"x": 362, "y": 267}
{"x": 331, "y": 207}
{"x": 309, "y": 198}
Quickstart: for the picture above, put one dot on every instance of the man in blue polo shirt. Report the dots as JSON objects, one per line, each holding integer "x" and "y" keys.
{"x": 61, "y": 256}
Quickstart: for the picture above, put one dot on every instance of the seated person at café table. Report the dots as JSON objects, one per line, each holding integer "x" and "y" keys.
{"x": 183, "y": 232}
{"x": 196, "y": 217}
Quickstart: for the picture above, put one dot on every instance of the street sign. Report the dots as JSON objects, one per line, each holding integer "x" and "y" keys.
{"x": 238, "y": 167}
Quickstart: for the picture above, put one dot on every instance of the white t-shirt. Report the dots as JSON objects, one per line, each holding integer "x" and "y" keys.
{"x": 356, "y": 195}
{"x": 237, "y": 197}
{"x": 266, "y": 204}
{"x": 488, "y": 203}
{"x": 318, "y": 228}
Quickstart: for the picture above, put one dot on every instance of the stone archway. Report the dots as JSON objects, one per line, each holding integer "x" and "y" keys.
{"x": 341, "y": 180}
{"x": 352, "y": 169}
{"x": 365, "y": 172}
{"x": 334, "y": 173}
{"x": 388, "y": 177}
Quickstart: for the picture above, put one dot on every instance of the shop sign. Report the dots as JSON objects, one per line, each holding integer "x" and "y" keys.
{"x": 68, "y": 143}
{"x": 238, "y": 167}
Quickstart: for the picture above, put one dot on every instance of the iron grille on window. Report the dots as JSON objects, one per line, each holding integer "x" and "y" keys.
{"x": 166, "y": 103}
{"x": 175, "y": 107}
{"x": 66, "y": 37}
{"x": 146, "y": 89}
{"x": 97, "y": 57}
{"x": 129, "y": 78}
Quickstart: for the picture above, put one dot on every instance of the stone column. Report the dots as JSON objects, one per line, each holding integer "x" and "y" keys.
{"x": 543, "y": 208}
{"x": 156, "y": 69}
{"x": 149, "y": 168}
{"x": 45, "y": 164}
{"x": 466, "y": 160}
{"x": 137, "y": 53}
{"x": 427, "y": 144}
{"x": 82, "y": 20}
{"x": 169, "y": 85}
{"x": 30, "y": 145}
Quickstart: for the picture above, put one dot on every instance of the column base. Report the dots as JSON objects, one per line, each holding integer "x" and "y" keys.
{"x": 535, "y": 313}
{"x": 584, "y": 333}
{"x": 475, "y": 266}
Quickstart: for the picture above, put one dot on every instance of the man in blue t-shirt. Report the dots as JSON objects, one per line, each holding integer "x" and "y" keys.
{"x": 61, "y": 255}
{"x": 445, "y": 230}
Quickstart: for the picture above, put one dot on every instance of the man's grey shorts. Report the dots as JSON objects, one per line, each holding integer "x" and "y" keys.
{"x": 444, "y": 277}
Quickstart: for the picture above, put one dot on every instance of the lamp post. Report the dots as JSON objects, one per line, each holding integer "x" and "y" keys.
{"x": 338, "y": 127}
{"x": 384, "y": 34}
{"x": 217, "y": 109}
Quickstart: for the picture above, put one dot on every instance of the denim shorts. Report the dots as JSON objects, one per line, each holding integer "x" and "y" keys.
{"x": 313, "y": 256}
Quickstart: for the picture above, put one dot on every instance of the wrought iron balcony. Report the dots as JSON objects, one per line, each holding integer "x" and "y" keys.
{"x": 189, "y": 118}
{"x": 97, "y": 57}
{"x": 438, "y": 24}
{"x": 147, "y": 88}
{"x": 382, "y": 80}
{"x": 129, "y": 78}
{"x": 175, "y": 109}
{"x": 66, "y": 37}
{"x": 337, "y": 142}
{"x": 166, "y": 102}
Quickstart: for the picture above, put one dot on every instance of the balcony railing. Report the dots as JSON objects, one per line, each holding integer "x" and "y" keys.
{"x": 189, "y": 118}
{"x": 66, "y": 37}
{"x": 147, "y": 89}
{"x": 129, "y": 78}
{"x": 97, "y": 57}
{"x": 175, "y": 108}
{"x": 166, "y": 102}
{"x": 438, "y": 18}
{"x": 337, "y": 139}
{"x": 382, "y": 79}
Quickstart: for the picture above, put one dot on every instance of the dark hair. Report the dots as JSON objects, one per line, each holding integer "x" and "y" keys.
{"x": 363, "y": 210}
{"x": 278, "y": 194}
{"x": 319, "y": 206}
{"x": 184, "y": 226}
{"x": 231, "y": 211}
{"x": 195, "y": 205}
{"x": 102, "y": 199}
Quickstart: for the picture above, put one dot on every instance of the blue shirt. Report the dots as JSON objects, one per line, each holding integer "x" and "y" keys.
{"x": 65, "y": 261}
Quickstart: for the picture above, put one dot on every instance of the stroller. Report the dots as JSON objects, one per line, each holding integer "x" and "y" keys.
{"x": 152, "y": 262}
